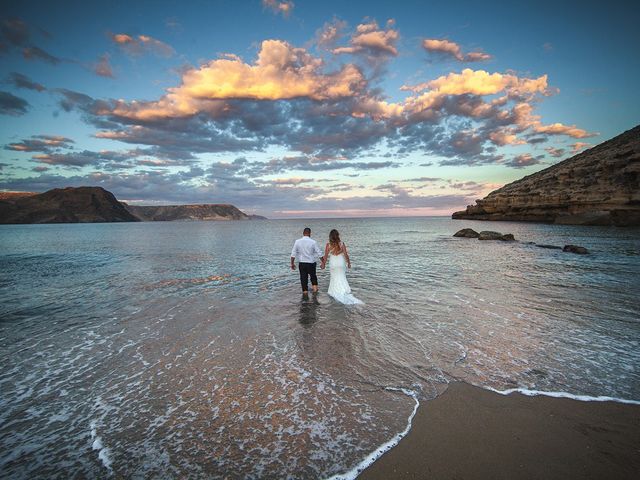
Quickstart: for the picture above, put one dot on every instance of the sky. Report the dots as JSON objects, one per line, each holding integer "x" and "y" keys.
{"x": 301, "y": 109}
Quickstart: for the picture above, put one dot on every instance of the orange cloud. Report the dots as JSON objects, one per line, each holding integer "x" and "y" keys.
{"x": 370, "y": 38}
{"x": 525, "y": 119}
{"x": 141, "y": 44}
{"x": 103, "y": 67}
{"x": 450, "y": 48}
{"x": 576, "y": 147}
{"x": 472, "y": 82}
{"x": 285, "y": 7}
{"x": 280, "y": 72}
{"x": 503, "y": 137}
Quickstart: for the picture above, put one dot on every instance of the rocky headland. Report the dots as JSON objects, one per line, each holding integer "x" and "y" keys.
{"x": 96, "y": 205}
{"x": 164, "y": 213}
{"x": 65, "y": 205}
{"x": 600, "y": 186}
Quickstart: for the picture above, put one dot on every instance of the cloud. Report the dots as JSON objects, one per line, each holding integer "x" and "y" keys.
{"x": 524, "y": 160}
{"x": 311, "y": 164}
{"x": 40, "y": 143}
{"x": 280, "y": 72}
{"x": 452, "y": 49}
{"x": 141, "y": 44}
{"x": 103, "y": 68}
{"x": 12, "y": 105}
{"x": 22, "y": 81}
{"x": 323, "y": 111}
{"x": 36, "y": 53}
{"x": 330, "y": 33}
{"x": 14, "y": 32}
{"x": 288, "y": 181}
{"x": 284, "y": 7}
{"x": 371, "y": 40}
{"x": 505, "y": 137}
{"x": 578, "y": 146}
{"x": 523, "y": 117}
{"x": 83, "y": 158}
{"x": 555, "y": 152}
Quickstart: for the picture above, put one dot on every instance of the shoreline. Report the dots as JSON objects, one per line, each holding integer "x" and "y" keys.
{"x": 472, "y": 433}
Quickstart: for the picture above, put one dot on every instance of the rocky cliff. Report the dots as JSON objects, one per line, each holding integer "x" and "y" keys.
{"x": 95, "y": 204}
{"x": 64, "y": 205}
{"x": 600, "y": 186}
{"x": 188, "y": 212}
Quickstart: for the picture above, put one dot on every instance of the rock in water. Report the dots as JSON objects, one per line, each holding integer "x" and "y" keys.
{"x": 575, "y": 249}
{"x": 467, "y": 233}
{"x": 65, "y": 205}
{"x": 600, "y": 186}
{"x": 508, "y": 237}
{"x": 489, "y": 235}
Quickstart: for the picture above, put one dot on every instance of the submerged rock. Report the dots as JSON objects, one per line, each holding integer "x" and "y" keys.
{"x": 489, "y": 235}
{"x": 553, "y": 247}
{"x": 575, "y": 249}
{"x": 467, "y": 233}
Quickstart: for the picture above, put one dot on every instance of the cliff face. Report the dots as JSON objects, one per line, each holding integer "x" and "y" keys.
{"x": 187, "y": 212}
{"x": 65, "y": 205}
{"x": 600, "y": 186}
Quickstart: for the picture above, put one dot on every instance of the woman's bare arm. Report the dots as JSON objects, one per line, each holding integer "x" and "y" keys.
{"x": 346, "y": 254}
{"x": 326, "y": 255}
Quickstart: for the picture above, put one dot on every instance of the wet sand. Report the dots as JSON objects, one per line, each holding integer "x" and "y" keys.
{"x": 470, "y": 433}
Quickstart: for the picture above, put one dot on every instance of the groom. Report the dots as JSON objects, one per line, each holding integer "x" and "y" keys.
{"x": 306, "y": 251}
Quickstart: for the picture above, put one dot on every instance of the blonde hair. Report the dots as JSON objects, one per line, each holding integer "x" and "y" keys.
{"x": 334, "y": 240}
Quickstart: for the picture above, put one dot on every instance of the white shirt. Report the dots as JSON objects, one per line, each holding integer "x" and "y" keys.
{"x": 306, "y": 250}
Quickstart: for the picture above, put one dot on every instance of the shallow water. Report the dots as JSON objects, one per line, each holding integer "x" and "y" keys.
{"x": 185, "y": 349}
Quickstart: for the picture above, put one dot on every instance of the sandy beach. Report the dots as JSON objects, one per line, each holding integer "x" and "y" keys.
{"x": 471, "y": 433}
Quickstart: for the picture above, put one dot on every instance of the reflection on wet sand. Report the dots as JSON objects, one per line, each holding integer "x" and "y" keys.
{"x": 309, "y": 309}
{"x": 173, "y": 282}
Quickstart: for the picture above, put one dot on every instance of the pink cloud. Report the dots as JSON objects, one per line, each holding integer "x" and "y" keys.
{"x": 285, "y": 7}
{"x": 454, "y": 50}
{"x": 142, "y": 44}
{"x": 371, "y": 39}
{"x": 103, "y": 67}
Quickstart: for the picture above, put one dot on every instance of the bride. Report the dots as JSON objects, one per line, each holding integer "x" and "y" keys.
{"x": 336, "y": 253}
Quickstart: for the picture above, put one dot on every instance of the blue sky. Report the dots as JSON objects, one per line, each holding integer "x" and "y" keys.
{"x": 303, "y": 109}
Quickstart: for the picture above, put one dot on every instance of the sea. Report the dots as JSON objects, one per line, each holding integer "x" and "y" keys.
{"x": 186, "y": 349}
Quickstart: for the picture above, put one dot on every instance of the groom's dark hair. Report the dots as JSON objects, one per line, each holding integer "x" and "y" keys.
{"x": 306, "y": 231}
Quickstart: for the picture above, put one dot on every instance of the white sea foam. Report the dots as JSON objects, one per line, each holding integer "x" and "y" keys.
{"x": 103, "y": 452}
{"x": 582, "y": 398}
{"x": 385, "y": 447}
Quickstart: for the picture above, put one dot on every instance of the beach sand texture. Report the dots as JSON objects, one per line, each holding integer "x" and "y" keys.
{"x": 471, "y": 433}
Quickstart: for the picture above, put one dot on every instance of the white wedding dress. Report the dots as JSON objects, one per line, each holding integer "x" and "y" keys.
{"x": 338, "y": 286}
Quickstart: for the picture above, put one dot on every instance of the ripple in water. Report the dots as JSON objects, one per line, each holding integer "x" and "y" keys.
{"x": 184, "y": 349}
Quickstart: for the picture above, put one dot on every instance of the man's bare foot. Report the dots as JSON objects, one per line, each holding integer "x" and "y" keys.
{"x": 304, "y": 292}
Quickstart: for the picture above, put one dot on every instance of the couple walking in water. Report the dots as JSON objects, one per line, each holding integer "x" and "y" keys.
{"x": 307, "y": 252}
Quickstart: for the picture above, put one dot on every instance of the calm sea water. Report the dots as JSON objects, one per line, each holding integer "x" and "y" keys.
{"x": 179, "y": 350}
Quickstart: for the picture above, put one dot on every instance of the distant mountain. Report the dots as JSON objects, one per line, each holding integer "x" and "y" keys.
{"x": 13, "y": 195}
{"x": 600, "y": 186}
{"x": 166, "y": 213}
{"x": 95, "y": 204}
{"x": 64, "y": 205}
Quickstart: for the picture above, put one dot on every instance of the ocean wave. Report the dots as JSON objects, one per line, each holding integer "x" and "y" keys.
{"x": 385, "y": 447}
{"x": 582, "y": 398}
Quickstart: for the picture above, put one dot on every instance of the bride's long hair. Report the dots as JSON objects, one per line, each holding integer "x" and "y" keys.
{"x": 334, "y": 240}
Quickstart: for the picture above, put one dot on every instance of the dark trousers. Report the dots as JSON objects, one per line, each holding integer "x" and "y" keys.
{"x": 307, "y": 270}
